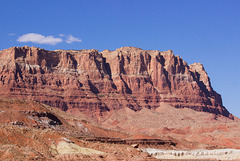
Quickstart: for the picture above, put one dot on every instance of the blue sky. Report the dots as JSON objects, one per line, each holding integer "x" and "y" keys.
{"x": 206, "y": 31}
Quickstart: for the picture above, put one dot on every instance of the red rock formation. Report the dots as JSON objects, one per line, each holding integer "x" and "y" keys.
{"x": 32, "y": 131}
{"x": 96, "y": 83}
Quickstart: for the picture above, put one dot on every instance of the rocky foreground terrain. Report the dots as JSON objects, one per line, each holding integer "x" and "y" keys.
{"x": 90, "y": 105}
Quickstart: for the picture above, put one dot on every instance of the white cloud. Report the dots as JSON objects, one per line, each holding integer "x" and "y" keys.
{"x": 11, "y": 34}
{"x": 71, "y": 39}
{"x": 39, "y": 39}
{"x": 61, "y": 35}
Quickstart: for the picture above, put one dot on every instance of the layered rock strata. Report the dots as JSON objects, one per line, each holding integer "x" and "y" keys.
{"x": 96, "y": 83}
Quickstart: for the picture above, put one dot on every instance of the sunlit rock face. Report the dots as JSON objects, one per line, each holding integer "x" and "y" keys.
{"x": 97, "y": 83}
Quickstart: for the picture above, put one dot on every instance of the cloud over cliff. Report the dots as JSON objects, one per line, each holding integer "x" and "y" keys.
{"x": 50, "y": 40}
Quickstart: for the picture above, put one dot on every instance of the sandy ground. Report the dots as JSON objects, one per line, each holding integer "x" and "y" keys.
{"x": 64, "y": 147}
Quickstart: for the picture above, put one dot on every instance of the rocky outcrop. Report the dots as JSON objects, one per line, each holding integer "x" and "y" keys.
{"x": 32, "y": 131}
{"x": 96, "y": 83}
{"x": 136, "y": 142}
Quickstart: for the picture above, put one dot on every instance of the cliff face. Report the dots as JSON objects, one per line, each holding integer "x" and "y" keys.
{"x": 96, "y": 83}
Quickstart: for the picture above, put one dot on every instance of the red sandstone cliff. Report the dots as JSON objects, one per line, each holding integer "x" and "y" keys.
{"x": 96, "y": 83}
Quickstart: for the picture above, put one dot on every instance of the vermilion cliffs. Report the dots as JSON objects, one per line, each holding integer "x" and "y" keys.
{"x": 130, "y": 96}
{"x": 97, "y": 83}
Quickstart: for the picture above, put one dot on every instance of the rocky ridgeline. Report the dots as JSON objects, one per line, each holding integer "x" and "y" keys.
{"x": 96, "y": 83}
